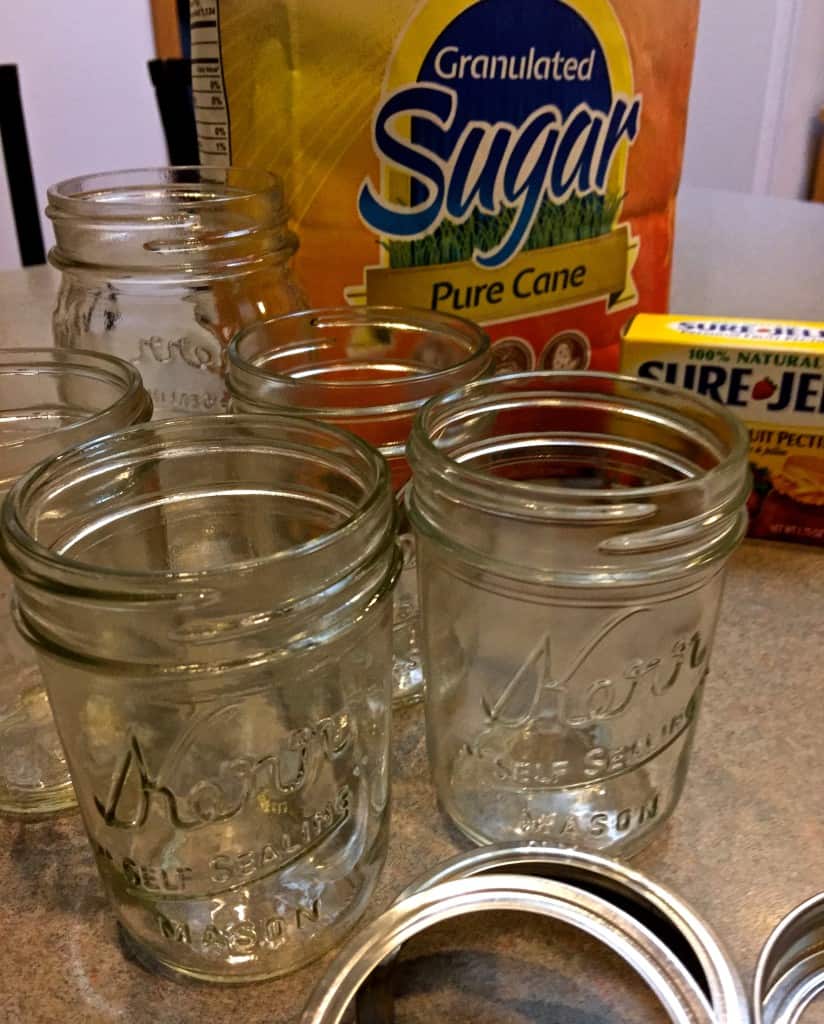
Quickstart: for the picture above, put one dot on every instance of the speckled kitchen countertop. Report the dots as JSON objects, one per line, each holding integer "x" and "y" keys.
{"x": 744, "y": 847}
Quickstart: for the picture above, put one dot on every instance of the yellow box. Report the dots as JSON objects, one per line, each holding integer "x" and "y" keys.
{"x": 771, "y": 374}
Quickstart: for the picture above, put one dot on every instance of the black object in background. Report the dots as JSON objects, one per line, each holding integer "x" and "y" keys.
{"x": 185, "y": 30}
{"x": 18, "y": 169}
{"x": 172, "y": 80}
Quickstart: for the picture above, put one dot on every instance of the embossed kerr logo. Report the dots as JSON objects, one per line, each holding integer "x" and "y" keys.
{"x": 605, "y": 698}
{"x": 139, "y": 787}
{"x": 540, "y": 731}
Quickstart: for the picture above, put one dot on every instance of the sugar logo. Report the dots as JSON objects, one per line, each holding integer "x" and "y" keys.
{"x": 499, "y": 140}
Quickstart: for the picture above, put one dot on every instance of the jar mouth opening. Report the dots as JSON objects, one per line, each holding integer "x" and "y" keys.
{"x": 63, "y": 364}
{"x": 172, "y": 223}
{"x": 136, "y": 192}
{"x": 132, "y": 460}
{"x": 367, "y": 359}
{"x": 442, "y": 438}
{"x": 59, "y": 397}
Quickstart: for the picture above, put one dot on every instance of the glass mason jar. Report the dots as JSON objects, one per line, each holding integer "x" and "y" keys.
{"x": 162, "y": 266}
{"x": 49, "y": 401}
{"x": 368, "y": 369}
{"x": 211, "y": 603}
{"x": 572, "y": 534}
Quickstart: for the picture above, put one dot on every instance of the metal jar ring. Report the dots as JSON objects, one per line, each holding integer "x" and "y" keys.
{"x": 790, "y": 972}
{"x": 675, "y": 986}
{"x": 663, "y": 913}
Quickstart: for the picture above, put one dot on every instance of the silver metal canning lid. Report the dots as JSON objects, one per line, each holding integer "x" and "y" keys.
{"x": 666, "y": 943}
{"x": 790, "y": 972}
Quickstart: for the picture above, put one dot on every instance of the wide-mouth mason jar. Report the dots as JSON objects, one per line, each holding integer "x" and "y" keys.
{"x": 163, "y": 265}
{"x": 211, "y": 602}
{"x": 572, "y": 532}
{"x": 49, "y": 401}
{"x": 369, "y": 370}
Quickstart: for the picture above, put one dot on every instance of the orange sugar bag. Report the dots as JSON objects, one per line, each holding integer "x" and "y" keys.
{"x": 513, "y": 161}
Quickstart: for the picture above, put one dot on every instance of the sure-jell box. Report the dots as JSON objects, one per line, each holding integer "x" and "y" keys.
{"x": 771, "y": 374}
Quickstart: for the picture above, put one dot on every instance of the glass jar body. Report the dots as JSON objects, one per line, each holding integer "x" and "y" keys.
{"x": 239, "y": 829}
{"x": 554, "y": 716}
{"x": 34, "y": 773}
{"x": 174, "y": 334}
{"x": 48, "y": 401}
{"x": 162, "y": 266}
{"x": 572, "y": 534}
{"x": 368, "y": 370}
{"x": 213, "y": 619}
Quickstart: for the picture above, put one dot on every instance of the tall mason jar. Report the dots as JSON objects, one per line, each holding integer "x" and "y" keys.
{"x": 572, "y": 531}
{"x": 49, "y": 401}
{"x": 211, "y": 602}
{"x": 369, "y": 370}
{"x": 162, "y": 266}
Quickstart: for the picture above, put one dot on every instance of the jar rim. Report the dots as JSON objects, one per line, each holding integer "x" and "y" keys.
{"x": 158, "y": 226}
{"x": 101, "y": 365}
{"x": 470, "y": 398}
{"x": 131, "y": 404}
{"x": 478, "y": 355}
{"x": 75, "y": 196}
{"x": 33, "y": 560}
